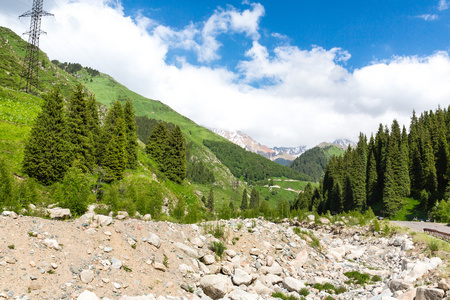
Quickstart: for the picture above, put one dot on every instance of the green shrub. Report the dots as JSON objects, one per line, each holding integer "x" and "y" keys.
{"x": 6, "y": 185}
{"x": 376, "y": 278}
{"x": 357, "y": 277}
{"x": 126, "y": 268}
{"x": 283, "y": 296}
{"x": 304, "y": 292}
{"x": 327, "y": 287}
{"x": 73, "y": 192}
{"x": 340, "y": 290}
{"x": 376, "y": 225}
{"x": 218, "y": 248}
{"x": 433, "y": 245}
{"x": 216, "y": 229}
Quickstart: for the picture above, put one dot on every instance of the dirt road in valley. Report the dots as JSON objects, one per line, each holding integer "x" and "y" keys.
{"x": 419, "y": 226}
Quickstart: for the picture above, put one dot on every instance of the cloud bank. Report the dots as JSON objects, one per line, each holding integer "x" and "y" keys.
{"x": 280, "y": 95}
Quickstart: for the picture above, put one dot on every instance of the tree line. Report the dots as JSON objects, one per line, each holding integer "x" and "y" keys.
{"x": 65, "y": 136}
{"x": 249, "y": 166}
{"x": 314, "y": 161}
{"x": 384, "y": 169}
{"x": 80, "y": 156}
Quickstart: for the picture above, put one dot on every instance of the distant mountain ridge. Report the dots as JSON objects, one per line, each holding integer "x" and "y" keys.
{"x": 294, "y": 151}
{"x": 282, "y": 155}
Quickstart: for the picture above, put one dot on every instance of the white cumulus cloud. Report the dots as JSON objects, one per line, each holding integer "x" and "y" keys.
{"x": 428, "y": 17}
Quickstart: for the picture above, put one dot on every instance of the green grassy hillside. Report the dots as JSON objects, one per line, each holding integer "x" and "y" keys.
{"x": 12, "y": 52}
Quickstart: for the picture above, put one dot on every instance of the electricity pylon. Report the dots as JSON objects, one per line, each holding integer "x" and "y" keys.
{"x": 30, "y": 69}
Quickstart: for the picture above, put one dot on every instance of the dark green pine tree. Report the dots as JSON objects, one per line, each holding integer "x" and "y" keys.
{"x": 157, "y": 144}
{"x": 381, "y": 139}
{"x": 441, "y": 152}
{"x": 335, "y": 198}
{"x": 6, "y": 184}
{"x": 359, "y": 168}
{"x": 175, "y": 157}
{"x": 79, "y": 119}
{"x": 402, "y": 172}
{"x": 210, "y": 201}
{"x": 244, "y": 201}
{"x": 429, "y": 169}
{"x": 114, "y": 158}
{"x": 47, "y": 155}
{"x": 329, "y": 179}
{"x": 94, "y": 126}
{"x": 316, "y": 201}
{"x": 130, "y": 131}
{"x": 415, "y": 157}
{"x": 391, "y": 201}
{"x": 347, "y": 194}
{"x": 372, "y": 175}
{"x": 254, "y": 199}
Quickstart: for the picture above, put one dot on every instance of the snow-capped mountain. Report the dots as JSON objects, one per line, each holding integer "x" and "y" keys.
{"x": 245, "y": 141}
{"x": 343, "y": 143}
{"x": 294, "y": 151}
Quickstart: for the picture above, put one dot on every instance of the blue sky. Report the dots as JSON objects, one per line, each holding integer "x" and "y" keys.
{"x": 287, "y": 73}
{"x": 368, "y": 30}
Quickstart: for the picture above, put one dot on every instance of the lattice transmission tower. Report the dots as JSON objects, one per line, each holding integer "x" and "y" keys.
{"x": 30, "y": 70}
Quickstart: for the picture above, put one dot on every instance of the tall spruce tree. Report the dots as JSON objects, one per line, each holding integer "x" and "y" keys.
{"x": 372, "y": 175}
{"x": 79, "y": 120}
{"x": 130, "y": 131}
{"x": 244, "y": 201}
{"x": 402, "y": 172}
{"x": 94, "y": 126}
{"x": 210, "y": 201}
{"x": 175, "y": 157}
{"x": 254, "y": 199}
{"x": 335, "y": 198}
{"x": 391, "y": 200}
{"x": 157, "y": 144}
{"x": 114, "y": 158}
{"x": 359, "y": 168}
{"x": 47, "y": 152}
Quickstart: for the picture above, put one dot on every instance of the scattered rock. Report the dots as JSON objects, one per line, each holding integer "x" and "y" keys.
{"x": 241, "y": 277}
{"x": 208, "y": 259}
{"x": 188, "y": 250}
{"x": 87, "y": 295}
{"x": 59, "y": 213}
{"x": 154, "y": 240}
{"x": 292, "y": 284}
{"x": 425, "y": 293}
{"x": 86, "y": 276}
{"x": 215, "y": 286}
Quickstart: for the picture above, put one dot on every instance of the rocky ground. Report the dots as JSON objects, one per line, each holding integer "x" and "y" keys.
{"x": 97, "y": 257}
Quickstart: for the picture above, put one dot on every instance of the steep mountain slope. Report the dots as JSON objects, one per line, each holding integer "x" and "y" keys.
{"x": 313, "y": 162}
{"x": 12, "y": 49}
{"x": 245, "y": 141}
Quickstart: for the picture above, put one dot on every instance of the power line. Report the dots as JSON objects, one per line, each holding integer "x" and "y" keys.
{"x": 30, "y": 70}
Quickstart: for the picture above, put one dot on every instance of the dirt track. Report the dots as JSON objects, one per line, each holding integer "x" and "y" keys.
{"x": 419, "y": 226}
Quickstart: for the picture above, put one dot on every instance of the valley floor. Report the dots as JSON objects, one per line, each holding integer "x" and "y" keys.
{"x": 99, "y": 257}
